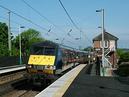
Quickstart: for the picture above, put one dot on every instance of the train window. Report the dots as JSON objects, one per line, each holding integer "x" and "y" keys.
{"x": 37, "y": 50}
{"x": 49, "y": 51}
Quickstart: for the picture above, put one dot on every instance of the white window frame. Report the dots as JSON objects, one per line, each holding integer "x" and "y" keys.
{"x": 105, "y": 42}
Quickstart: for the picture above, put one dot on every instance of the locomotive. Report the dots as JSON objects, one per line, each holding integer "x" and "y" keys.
{"x": 48, "y": 59}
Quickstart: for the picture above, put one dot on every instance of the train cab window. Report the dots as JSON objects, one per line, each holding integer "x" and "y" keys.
{"x": 37, "y": 50}
{"x": 43, "y": 51}
{"x": 49, "y": 51}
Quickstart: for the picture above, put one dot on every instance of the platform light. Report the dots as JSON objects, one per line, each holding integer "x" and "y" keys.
{"x": 20, "y": 57}
{"x": 103, "y": 57}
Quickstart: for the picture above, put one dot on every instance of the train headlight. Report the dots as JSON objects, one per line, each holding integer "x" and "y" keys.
{"x": 50, "y": 67}
{"x": 29, "y": 66}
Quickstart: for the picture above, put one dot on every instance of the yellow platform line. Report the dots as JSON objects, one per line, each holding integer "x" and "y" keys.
{"x": 60, "y": 92}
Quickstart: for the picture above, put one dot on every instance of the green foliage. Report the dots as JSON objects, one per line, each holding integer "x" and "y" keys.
{"x": 27, "y": 39}
{"x": 3, "y": 33}
{"x": 123, "y": 56}
{"x": 3, "y": 50}
{"x": 3, "y": 39}
{"x": 89, "y": 48}
{"x": 120, "y": 51}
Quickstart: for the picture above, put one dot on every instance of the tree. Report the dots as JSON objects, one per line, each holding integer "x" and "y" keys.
{"x": 123, "y": 56}
{"x": 89, "y": 48}
{"x": 3, "y": 33}
{"x": 3, "y": 39}
{"x": 27, "y": 39}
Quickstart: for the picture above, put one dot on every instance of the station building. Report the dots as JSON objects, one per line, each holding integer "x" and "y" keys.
{"x": 110, "y": 47}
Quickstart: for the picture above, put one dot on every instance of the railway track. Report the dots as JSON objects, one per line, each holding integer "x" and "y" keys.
{"x": 11, "y": 73}
{"x": 5, "y": 78}
{"x": 21, "y": 93}
{"x": 23, "y": 89}
{"x": 8, "y": 78}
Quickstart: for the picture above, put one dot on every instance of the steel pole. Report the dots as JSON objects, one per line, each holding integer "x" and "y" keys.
{"x": 102, "y": 68}
{"x": 103, "y": 57}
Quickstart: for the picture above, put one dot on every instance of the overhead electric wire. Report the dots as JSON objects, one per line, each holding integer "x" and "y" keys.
{"x": 25, "y": 2}
{"x": 74, "y": 24}
{"x": 68, "y": 15}
{"x": 23, "y": 18}
{"x": 11, "y": 20}
{"x": 40, "y": 14}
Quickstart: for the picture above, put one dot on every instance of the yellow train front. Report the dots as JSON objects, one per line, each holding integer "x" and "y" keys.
{"x": 48, "y": 59}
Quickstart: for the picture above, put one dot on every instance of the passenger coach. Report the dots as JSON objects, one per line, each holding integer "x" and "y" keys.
{"x": 48, "y": 59}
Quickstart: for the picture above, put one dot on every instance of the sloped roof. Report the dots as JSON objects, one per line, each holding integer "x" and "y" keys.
{"x": 107, "y": 36}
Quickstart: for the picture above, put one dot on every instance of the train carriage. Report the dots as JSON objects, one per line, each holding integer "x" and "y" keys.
{"x": 48, "y": 59}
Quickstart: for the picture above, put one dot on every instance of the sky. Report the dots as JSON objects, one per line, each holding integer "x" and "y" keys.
{"x": 58, "y": 27}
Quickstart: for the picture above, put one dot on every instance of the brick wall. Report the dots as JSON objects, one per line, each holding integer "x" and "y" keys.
{"x": 96, "y": 44}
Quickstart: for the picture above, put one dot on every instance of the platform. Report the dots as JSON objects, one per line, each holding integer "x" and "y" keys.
{"x": 85, "y": 85}
{"x": 58, "y": 88}
{"x": 11, "y": 69}
{"x": 95, "y": 86}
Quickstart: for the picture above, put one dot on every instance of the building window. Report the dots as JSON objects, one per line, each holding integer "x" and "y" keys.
{"x": 105, "y": 44}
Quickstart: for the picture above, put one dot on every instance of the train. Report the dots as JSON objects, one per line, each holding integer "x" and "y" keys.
{"x": 48, "y": 59}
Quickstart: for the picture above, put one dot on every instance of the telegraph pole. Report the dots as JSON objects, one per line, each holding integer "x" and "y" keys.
{"x": 9, "y": 34}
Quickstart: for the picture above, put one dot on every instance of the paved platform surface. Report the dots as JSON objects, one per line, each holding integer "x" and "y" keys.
{"x": 93, "y": 70}
{"x": 11, "y": 69}
{"x": 86, "y": 85}
{"x": 59, "y": 87}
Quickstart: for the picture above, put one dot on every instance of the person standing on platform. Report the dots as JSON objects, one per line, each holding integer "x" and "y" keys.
{"x": 97, "y": 66}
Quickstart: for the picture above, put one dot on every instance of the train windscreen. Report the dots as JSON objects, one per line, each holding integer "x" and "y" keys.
{"x": 49, "y": 51}
{"x": 44, "y": 51}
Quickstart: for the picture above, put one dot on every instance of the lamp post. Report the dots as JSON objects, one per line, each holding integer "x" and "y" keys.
{"x": 103, "y": 57}
{"x": 20, "y": 57}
